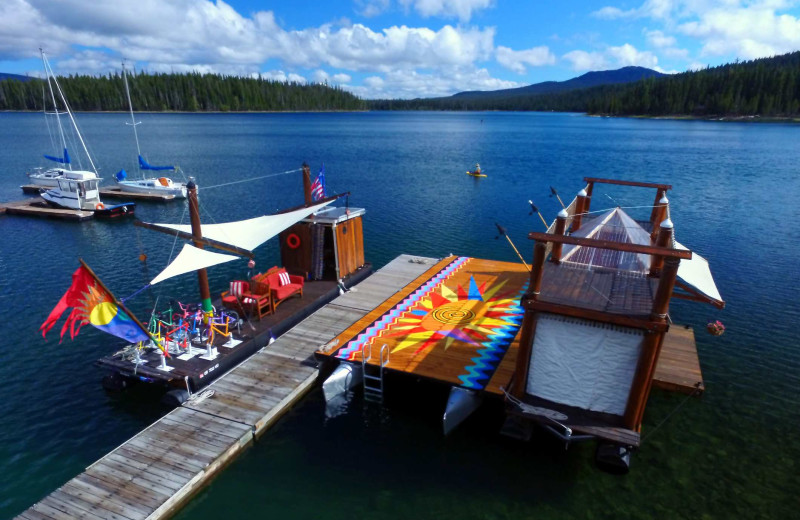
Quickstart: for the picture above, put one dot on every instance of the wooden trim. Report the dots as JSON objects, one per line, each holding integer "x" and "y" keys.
{"x": 615, "y": 246}
{"x": 628, "y": 183}
{"x": 695, "y": 296}
{"x": 644, "y": 323}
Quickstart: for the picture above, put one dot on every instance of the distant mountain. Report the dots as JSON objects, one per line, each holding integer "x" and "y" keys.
{"x": 18, "y": 77}
{"x": 590, "y": 79}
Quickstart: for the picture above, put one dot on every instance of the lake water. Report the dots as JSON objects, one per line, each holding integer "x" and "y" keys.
{"x": 731, "y": 454}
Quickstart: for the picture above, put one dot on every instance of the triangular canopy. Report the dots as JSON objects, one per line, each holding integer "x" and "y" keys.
{"x": 251, "y": 233}
{"x": 696, "y": 277}
{"x": 191, "y": 259}
{"x": 617, "y": 226}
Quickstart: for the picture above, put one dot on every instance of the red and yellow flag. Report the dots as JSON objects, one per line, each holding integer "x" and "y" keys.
{"x": 94, "y": 305}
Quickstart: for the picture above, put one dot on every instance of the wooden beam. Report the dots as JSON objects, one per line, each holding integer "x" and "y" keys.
{"x": 614, "y": 246}
{"x": 629, "y": 183}
{"x": 644, "y": 323}
{"x": 188, "y": 236}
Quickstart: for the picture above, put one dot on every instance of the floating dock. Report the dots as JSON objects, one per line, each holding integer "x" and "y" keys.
{"x": 112, "y": 192}
{"x": 39, "y": 208}
{"x": 157, "y": 471}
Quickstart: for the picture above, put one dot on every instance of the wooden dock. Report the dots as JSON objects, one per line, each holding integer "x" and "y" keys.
{"x": 39, "y": 208}
{"x": 158, "y": 470}
{"x": 116, "y": 193}
{"x": 678, "y": 368}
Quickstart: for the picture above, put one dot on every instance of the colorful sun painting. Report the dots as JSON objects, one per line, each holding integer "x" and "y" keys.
{"x": 465, "y": 317}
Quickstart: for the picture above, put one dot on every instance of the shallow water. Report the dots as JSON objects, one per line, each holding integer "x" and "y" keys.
{"x": 731, "y": 453}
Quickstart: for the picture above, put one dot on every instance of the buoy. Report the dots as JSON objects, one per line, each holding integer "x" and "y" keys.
{"x": 143, "y": 257}
{"x": 293, "y": 241}
{"x": 715, "y": 328}
{"x": 100, "y": 206}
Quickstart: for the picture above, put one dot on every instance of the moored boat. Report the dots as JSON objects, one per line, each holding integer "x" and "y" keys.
{"x": 161, "y": 185}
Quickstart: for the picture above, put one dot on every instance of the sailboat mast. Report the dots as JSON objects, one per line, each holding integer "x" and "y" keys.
{"x": 55, "y": 107}
{"x": 49, "y": 70}
{"x": 130, "y": 107}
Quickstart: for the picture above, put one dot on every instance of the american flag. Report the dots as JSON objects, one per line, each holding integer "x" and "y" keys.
{"x": 318, "y": 186}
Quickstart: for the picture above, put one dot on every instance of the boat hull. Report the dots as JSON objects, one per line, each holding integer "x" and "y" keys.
{"x": 126, "y": 209}
{"x": 153, "y": 187}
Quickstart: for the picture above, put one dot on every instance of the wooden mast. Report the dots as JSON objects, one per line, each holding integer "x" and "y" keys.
{"x": 197, "y": 234}
{"x": 307, "y": 184}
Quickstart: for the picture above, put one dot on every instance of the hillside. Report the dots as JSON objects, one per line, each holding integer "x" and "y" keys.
{"x": 590, "y": 79}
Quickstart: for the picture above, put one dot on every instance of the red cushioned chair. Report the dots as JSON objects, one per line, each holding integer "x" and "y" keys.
{"x": 235, "y": 297}
{"x": 283, "y": 285}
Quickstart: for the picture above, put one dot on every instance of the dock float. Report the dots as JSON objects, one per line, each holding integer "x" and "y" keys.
{"x": 157, "y": 471}
{"x": 117, "y": 193}
{"x": 39, "y": 208}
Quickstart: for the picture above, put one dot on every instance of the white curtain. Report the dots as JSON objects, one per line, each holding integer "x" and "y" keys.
{"x": 583, "y": 363}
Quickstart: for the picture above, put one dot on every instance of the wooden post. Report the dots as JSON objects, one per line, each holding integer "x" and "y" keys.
{"x": 654, "y": 218}
{"x": 197, "y": 233}
{"x": 664, "y": 240}
{"x": 561, "y": 226}
{"x": 660, "y": 213}
{"x": 307, "y": 184}
{"x": 577, "y": 218}
{"x": 588, "y": 202}
{"x": 651, "y": 347}
{"x": 529, "y": 321}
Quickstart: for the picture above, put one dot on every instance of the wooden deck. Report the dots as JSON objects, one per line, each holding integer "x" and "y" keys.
{"x": 418, "y": 327}
{"x": 678, "y": 368}
{"x": 116, "y": 193}
{"x": 158, "y": 470}
{"x": 39, "y": 208}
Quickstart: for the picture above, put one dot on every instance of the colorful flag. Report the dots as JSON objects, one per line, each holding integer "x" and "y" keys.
{"x": 93, "y": 304}
{"x": 318, "y": 187}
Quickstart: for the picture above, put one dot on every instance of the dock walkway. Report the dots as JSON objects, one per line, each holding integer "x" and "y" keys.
{"x": 154, "y": 473}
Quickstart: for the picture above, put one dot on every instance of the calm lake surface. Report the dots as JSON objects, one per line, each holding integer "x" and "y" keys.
{"x": 731, "y": 454}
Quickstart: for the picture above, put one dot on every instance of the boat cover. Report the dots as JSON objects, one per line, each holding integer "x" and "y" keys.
{"x": 251, "y": 233}
{"x": 191, "y": 259}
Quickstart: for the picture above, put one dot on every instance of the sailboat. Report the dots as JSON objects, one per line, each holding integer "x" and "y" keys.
{"x": 78, "y": 189}
{"x": 42, "y": 176}
{"x": 153, "y": 185}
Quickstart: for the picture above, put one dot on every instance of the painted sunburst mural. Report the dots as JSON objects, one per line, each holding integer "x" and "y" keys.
{"x": 471, "y": 315}
{"x": 463, "y": 316}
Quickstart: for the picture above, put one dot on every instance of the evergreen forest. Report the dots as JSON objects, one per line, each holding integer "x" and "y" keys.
{"x": 767, "y": 87}
{"x": 192, "y": 92}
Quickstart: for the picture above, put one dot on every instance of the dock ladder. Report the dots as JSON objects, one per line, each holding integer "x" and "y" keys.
{"x": 373, "y": 375}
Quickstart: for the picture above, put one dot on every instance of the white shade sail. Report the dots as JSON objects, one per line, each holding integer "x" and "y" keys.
{"x": 696, "y": 273}
{"x": 191, "y": 259}
{"x": 251, "y": 233}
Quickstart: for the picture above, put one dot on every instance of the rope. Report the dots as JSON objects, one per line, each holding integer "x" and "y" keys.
{"x": 248, "y": 180}
{"x": 123, "y": 300}
{"x": 651, "y": 432}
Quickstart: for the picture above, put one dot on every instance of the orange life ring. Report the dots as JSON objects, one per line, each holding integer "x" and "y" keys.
{"x": 293, "y": 241}
{"x": 99, "y": 206}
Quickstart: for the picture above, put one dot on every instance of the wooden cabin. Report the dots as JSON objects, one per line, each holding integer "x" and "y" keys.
{"x": 328, "y": 245}
{"x": 596, "y": 315}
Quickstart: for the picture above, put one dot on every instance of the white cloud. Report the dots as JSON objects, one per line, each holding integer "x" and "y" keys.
{"x": 747, "y": 32}
{"x": 461, "y": 9}
{"x": 612, "y": 57}
{"x": 659, "y": 39}
{"x": 517, "y": 60}
{"x": 406, "y": 84}
{"x": 627, "y": 55}
{"x": 321, "y": 76}
{"x": 370, "y": 8}
{"x": 582, "y": 60}
{"x": 279, "y": 75}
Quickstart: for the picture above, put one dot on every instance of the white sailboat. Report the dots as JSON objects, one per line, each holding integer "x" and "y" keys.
{"x": 78, "y": 189}
{"x": 43, "y": 176}
{"x": 153, "y": 185}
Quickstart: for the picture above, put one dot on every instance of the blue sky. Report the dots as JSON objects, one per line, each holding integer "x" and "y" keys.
{"x": 393, "y": 48}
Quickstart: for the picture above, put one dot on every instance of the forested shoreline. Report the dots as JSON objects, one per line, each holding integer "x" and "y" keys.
{"x": 192, "y": 92}
{"x": 763, "y": 88}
